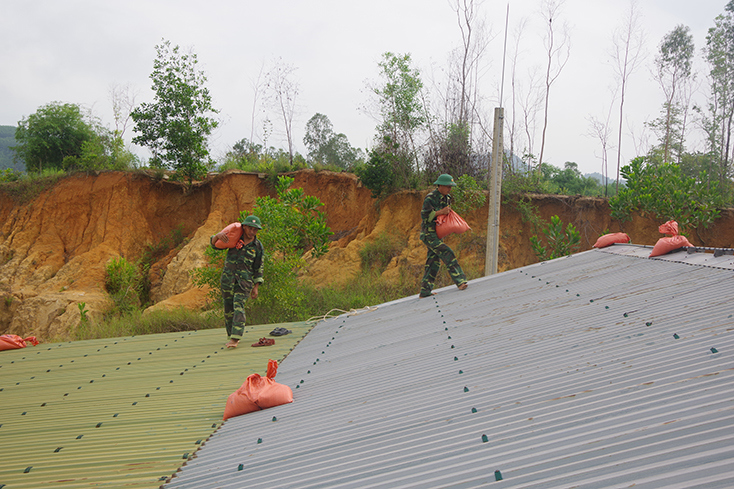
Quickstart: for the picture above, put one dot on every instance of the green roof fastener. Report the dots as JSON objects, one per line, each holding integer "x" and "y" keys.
{"x": 449, "y": 337}
{"x": 115, "y": 415}
{"x": 649, "y": 323}
{"x": 98, "y": 425}
{"x": 625, "y": 314}
{"x": 675, "y": 335}
{"x": 28, "y": 469}
{"x": 198, "y": 442}
{"x": 473, "y": 410}
{"x": 214, "y": 425}
{"x": 592, "y": 300}
{"x": 275, "y": 419}
{"x": 606, "y": 307}
{"x": 301, "y": 381}
{"x": 466, "y": 389}
{"x": 461, "y": 371}
{"x": 485, "y": 439}
{"x": 259, "y": 440}
{"x": 297, "y": 387}
{"x": 58, "y": 449}
{"x": 714, "y": 350}
{"x": 240, "y": 467}
{"x": 135, "y": 403}
{"x": 452, "y": 346}
{"x": 79, "y": 437}
{"x": 497, "y": 475}
{"x": 185, "y": 455}
{"x": 456, "y": 358}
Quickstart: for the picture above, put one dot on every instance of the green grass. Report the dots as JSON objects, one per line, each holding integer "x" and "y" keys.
{"x": 136, "y": 323}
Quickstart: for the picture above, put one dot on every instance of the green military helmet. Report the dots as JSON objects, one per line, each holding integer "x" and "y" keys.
{"x": 445, "y": 179}
{"x": 252, "y": 221}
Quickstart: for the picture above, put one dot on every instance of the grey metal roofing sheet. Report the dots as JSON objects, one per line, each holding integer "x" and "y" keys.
{"x": 120, "y": 412}
{"x": 602, "y": 369}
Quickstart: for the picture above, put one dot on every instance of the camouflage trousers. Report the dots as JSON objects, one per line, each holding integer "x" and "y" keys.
{"x": 235, "y": 293}
{"x": 438, "y": 251}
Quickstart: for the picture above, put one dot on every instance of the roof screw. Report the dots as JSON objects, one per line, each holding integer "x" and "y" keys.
{"x": 27, "y": 469}
{"x": 675, "y": 335}
{"x": 625, "y": 314}
{"x": 649, "y": 323}
{"x": 185, "y": 455}
{"x": 240, "y": 467}
{"x": 485, "y": 439}
{"x": 473, "y": 410}
{"x": 606, "y": 307}
{"x": 592, "y": 300}
{"x": 461, "y": 371}
{"x": 452, "y": 346}
{"x": 79, "y": 437}
{"x": 497, "y": 475}
{"x": 259, "y": 440}
{"x": 58, "y": 449}
{"x": 456, "y": 358}
{"x": 301, "y": 381}
{"x": 98, "y": 425}
{"x": 466, "y": 389}
{"x": 275, "y": 419}
{"x": 714, "y": 350}
{"x": 449, "y": 337}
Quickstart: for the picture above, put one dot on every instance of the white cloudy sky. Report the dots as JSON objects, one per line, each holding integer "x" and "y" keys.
{"x": 75, "y": 50}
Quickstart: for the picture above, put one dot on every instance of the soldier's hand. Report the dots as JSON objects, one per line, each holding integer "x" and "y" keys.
{"x": 240, "y": 244}
{"x": 254, "y": 291}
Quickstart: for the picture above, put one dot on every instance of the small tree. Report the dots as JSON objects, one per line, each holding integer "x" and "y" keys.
{"x": 558, "y": 242}
{"x": 175, "y": 127}
{"x": 292, "y": 226}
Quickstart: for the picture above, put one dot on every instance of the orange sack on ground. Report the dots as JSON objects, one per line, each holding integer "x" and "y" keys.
{"x": 258, "y": 393}
{"x": 610, "y": 239}
{"x": 13, "y": 341}
{"x": 233, "y": 232}
{"x": 450, "y": 223}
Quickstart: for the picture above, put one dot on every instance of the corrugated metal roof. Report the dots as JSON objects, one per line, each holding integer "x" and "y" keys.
{"x": 120, "y": 412}
{"x": 603, "y": 369}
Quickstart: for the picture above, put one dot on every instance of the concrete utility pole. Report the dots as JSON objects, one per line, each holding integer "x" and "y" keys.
{"x": 495, "y": 189}
{"x": 495, "y": 193}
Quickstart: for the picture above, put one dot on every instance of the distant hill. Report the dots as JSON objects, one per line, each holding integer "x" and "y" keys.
{"x": 7, "y": 139}
{"x": 600, "y": 178}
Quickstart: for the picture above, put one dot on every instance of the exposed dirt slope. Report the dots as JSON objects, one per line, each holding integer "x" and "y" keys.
{"x": 53, "y": 251}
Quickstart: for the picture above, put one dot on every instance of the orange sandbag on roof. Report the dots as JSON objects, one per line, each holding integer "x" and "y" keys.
{"x": 669, "y": 243}
{"x": 610, "y": 239}
{"x": 258, "y": 393}
{"x": 233, "y": 232}
{"x": 13, "y": 341}
{"x": 450, "y": 223}
{"x": 670, "y": 227}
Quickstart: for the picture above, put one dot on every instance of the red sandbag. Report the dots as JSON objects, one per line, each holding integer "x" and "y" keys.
{"x": 450, "y": 223}
{"x": 258, "y": 393}
{"x": 670, "y": 227}
{"x": 13, "y": 341}
{"x": 610, "y": 239}
{"x": 668, "y": 244}
{"x": 233, "y": 232}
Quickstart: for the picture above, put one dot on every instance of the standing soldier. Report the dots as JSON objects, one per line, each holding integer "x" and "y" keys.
{"x": 241, "y": 276}
{"x": 437, "y": 203}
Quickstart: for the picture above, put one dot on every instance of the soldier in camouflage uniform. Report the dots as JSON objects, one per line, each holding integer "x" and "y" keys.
{"x": 241, "y": 276}
{"x": 435, "y": 204}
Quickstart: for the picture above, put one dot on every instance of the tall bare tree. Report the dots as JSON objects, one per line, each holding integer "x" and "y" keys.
{"x": 628, "y": 53}
{"x": 558, "y": 46}
{"x": 281, "y": 92}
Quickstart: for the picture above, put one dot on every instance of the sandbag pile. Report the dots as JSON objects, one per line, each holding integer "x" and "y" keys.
{"x": 669, "y": 243}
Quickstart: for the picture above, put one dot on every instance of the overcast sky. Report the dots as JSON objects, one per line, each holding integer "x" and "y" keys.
{"x": 75, "y": 50}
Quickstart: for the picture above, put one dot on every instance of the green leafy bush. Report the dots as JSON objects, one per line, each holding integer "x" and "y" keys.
{"x": 558, "y": 242}
{"x": 664, "y": 192}
{"x": 124, "y": 283}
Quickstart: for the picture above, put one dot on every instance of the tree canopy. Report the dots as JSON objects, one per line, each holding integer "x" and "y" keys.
{"x": 54, "y": 132}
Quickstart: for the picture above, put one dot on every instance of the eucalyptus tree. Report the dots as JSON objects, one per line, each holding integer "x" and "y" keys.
{"x": 673, "y": 69}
